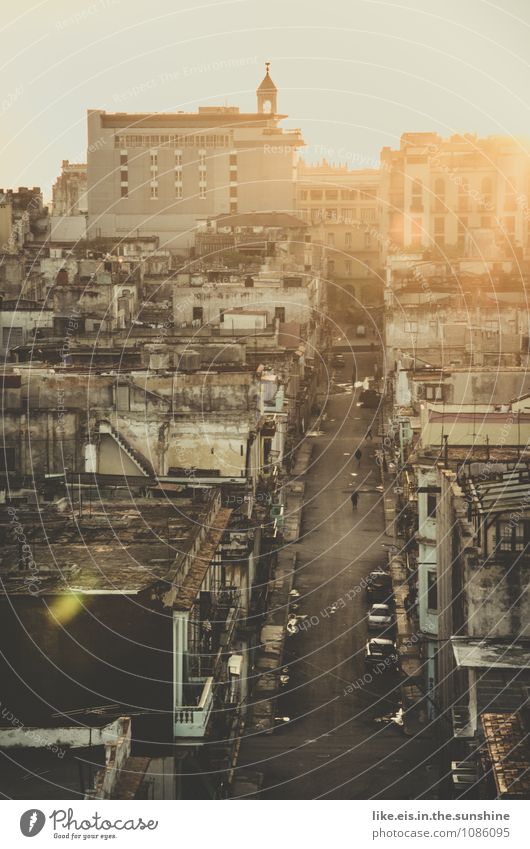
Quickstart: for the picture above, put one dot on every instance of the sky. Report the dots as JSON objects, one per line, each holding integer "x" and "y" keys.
{"x": 352, "y": 74}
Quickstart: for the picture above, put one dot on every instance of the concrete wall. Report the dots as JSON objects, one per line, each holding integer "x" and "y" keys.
{"x": 296, "y": 302}
{"x": 497, "y": 596}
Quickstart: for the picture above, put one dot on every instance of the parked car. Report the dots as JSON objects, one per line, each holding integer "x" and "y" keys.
{"x": 337, "y": 361}
{"x": 381, "y": 650}
{"x": 380, "y": 617}
{"x": 370, "y": 398}
{"x": 379, "y": 587}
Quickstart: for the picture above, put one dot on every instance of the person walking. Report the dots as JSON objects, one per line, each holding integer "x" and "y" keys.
{"x": 354, "y": 498}
{"x": 358, "y": 456}
{"x": 369, "y": 434}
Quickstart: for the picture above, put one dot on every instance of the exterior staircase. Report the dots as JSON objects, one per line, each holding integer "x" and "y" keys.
{"x": 144, "y": 467}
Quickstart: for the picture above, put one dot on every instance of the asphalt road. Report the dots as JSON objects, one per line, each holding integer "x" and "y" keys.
{"x": 334, "y": 744}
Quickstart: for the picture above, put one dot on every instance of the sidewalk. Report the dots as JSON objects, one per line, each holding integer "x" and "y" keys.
{"x": 411, "y": 662}
{"x": 269, "y": 656}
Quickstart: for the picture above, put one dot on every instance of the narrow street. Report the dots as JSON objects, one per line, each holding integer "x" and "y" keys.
{"x": 334, "y": 744}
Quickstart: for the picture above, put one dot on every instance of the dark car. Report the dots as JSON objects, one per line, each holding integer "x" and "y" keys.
{"x": 370, "y": 398}
{"x": 380, "y": 650}
{"x": 379, "y": 587}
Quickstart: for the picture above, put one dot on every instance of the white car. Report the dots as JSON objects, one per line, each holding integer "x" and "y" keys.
{"x": 380, "y": 617}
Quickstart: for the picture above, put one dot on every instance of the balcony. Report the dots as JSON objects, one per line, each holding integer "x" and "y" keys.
{"x": 192, "y": 720}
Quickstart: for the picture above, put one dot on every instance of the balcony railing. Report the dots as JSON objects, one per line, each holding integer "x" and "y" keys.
{"x": 192, "y": 720}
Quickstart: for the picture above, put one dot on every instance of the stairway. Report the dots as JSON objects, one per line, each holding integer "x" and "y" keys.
{"x": 144, "y": 467}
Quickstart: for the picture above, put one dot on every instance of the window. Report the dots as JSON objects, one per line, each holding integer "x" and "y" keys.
{"x": 197, "y": 313}
{"x": 510, "y": 202}
{"x": 153, "y": 158}
{"x": 202, "y": 174}
{"x": 347, "y": 240}
{"x": 154, "y": 191}
{"x": 513, "y": 535}
{"x": 347, "y": 266}
{"x": 331, "y": 266}
{"x": 461, "y": 230}
{"x": 349, "y": 214}
{"x": 331, "y": 214}
{"x": 439, "y": 194}
{"x": 368, "y": 213}
{"x": 233, "y": 191}
{"x": 124, "y": 174}
{"x": 332, "y": 195}
{"x": 368, "y": 193}
{"x": 416, "y": 195}
{"x": 279, "y": 313}
{"x": 432, "y": 591}
{"x": 122, "y": 397}
{"x": 331, "y": 239}
{"x": 431, "y": 505}
{"x": 178, "y": 174}
{"x": 486, "y": 191}
{"x": 367, "y": 241}
{"x": 416, "y": 233}
{"x": 433, "y": 393}
{"x": 8, "y": 459}
{"x": 232, "y": 161}
{"x": 463, "y": 197}
{"x": 411, "y": 327}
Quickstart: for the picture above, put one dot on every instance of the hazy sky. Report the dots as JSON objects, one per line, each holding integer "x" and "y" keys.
{"x": 353, "y": 74}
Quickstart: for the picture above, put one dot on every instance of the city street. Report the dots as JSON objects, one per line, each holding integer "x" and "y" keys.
{"x": 336, "y": 743}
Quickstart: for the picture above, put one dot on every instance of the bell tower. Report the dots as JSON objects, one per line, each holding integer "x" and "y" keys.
{"x": 267, "y": 94}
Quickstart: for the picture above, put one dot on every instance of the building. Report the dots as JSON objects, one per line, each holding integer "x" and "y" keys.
{"x": 435, "y": 192}
{"x": 69, "y": 192}
{"x": 29, "y": 217}
{"x": 170, "y": 577}
{"x": 468, "y": 312}
{"x": 158, "y": 173}
{"x": 342, "y": 207}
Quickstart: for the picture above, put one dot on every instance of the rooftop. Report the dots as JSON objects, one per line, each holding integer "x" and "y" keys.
{"x": 116, "y": 546}
{"x": 502, "y": 492}
{"x": 491, "y": 653}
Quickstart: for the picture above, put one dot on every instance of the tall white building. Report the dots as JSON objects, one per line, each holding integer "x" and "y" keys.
{"x": 157, "y": 173}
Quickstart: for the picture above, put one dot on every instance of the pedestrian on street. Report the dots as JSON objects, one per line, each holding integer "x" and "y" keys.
{"x": 358, "y": 456}
{"x": 354, "y": 498}
{"x": 369, "y": 434}
{"x": 353, "y": 377}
